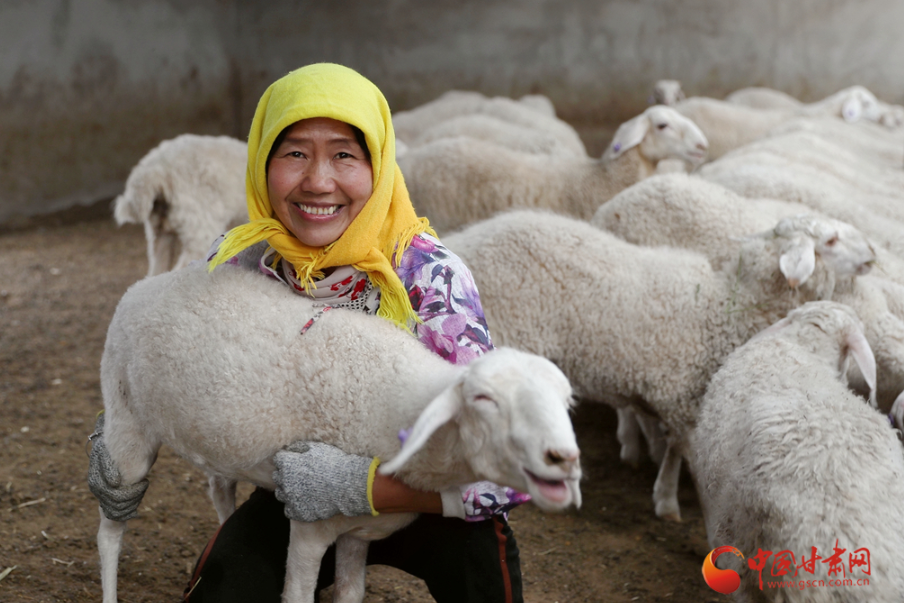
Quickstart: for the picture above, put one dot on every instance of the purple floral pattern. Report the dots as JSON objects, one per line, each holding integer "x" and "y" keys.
{"x": 482, "y": 500}
{"x": 443, "y": 293}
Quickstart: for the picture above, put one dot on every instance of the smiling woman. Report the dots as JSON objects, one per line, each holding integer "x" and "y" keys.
{"x": 330, "y": 216}
{"x": 319, "y": 179}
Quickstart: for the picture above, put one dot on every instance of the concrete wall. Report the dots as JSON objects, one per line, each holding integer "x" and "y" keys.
{"x": 88, "y": 86}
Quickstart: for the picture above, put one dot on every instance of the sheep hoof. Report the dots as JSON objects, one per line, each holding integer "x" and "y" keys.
{"x": 668, "y": 511}
{"x": 675, "y": 517}
{"x": 631, "y": 456}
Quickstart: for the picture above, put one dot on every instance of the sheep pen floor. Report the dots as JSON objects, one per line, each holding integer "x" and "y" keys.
{"x": 59, "y": 285}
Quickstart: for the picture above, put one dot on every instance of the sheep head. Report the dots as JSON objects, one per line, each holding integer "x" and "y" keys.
{"x": 511, "y": 409}
{"x": 667, "y": 92}
{"x": 661, "y": 133}
{"x": 815, "y": 322}
{"x": 858, "y": 103}
{"x": 842, "y": 247}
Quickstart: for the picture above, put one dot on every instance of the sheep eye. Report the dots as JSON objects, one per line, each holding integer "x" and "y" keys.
{"x": 486, "y": 402}
{"x": 662, "y": 126}
{"x": 831, "y": 242}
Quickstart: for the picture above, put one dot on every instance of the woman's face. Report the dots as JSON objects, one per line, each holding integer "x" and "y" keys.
{"x": 319, "y": 179}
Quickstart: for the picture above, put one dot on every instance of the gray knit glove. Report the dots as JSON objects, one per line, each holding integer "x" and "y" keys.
{"x": 118, "y": 502}
{"x": 317, "y": 481}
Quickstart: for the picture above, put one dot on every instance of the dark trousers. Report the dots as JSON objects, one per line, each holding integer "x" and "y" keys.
{"x": 461, "y": 562}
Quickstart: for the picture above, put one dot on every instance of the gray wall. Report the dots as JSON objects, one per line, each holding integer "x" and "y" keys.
{"x": 88, "y": 86}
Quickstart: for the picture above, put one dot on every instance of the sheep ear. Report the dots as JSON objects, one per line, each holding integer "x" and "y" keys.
{"x": 897, "y": 411}
{"x": 629, "y": 135}
{"x": 859, "y": 350}
{"x": 440, "y": 411}
{"x": 798, "y": 262}
{"x": 852, "y": 109}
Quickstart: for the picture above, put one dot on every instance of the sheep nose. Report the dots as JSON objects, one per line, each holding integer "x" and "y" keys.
{"x": 702, "y": 146}
{"x": 562, "y": 457}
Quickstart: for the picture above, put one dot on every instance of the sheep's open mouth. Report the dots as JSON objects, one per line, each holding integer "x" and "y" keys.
{"x": 554, "y": 490}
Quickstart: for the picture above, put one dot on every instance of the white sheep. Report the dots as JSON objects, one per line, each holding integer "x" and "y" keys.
{"x": 851, "y": 104}
{"x": 633, "y": 325}
{"x": 819, "y": 152}
{"x": 498, "y": 131}
{"x": 865, "y": 139}
{"x": 728, "y": 126}
{"x": 763, "y": 174}
{"x": 457, "y": 181}
{"x": 761, "y": 97}
{"x": 786, "y": 458}
{"x": 411, "y": 124}
{"x": 666, "y": 92}
{"x": 186, "y": 191}
{"x": 691, "y": 213}
{"x": 214, "y": 366}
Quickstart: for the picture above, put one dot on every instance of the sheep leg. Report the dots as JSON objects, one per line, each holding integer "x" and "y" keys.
{"x": 222, "y": 493}
{"x": 109, "y": 545}
{"x": 163, "y": 246}
{"x": 652, "y": 432}
{"x": 307, "y": 544}
{"x": 628, "y": 434}
{"x": 665, "y": 491}
{"x": 351, "y": 569}
{"x": 133, "y": 454}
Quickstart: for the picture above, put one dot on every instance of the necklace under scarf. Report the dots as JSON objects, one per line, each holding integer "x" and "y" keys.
{"x": 379, "y": 235}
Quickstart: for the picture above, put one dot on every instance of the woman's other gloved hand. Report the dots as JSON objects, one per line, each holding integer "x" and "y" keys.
{"x": 117, "y": 502}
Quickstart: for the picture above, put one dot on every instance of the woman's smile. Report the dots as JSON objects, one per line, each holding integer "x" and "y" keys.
{"x": 313, "y": 210}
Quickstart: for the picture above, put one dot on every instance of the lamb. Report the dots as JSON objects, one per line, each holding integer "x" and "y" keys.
{"x": 498, "y": 131}
{"x": 174, "y": 372}
{"x": 187, "y": 191}
{"x": 458, "y": 181}
{"x": 667, "y": 92}
{"x": 409, "y": 125}
{"x": 690, "y": 213}
{"x": 633, "y": 325}
{"x": 786, "y": 458}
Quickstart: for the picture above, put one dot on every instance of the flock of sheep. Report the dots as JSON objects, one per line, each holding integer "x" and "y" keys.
{"x": 729, "y": 275}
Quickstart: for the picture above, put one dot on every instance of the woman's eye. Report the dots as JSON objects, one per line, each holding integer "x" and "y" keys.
{"x": 296, "y": 154}
{"x": 344, "y": 155}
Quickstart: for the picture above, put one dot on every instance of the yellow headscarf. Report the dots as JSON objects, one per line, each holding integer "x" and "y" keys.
{"x": 387, "y": 223}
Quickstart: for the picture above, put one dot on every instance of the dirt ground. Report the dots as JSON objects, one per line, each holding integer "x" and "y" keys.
{"x": 59, "y": 285}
